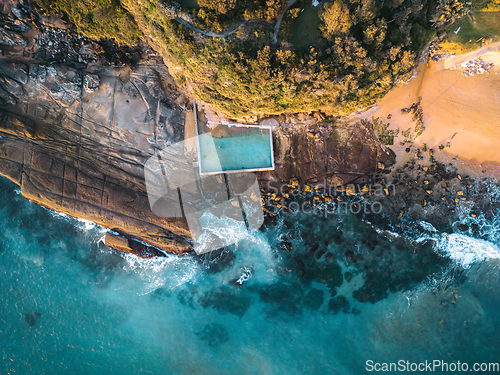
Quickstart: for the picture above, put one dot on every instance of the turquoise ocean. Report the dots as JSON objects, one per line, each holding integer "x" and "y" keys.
{"x": 70, "y": 305}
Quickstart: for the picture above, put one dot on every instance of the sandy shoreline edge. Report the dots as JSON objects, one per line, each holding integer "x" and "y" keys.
{"x": 461, "y": 110}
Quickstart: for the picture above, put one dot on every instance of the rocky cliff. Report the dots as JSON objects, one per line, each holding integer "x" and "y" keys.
{"x": 79, "y": 119}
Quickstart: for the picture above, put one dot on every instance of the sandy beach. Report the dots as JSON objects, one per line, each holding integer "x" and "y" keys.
{"x": 461, "y": 110}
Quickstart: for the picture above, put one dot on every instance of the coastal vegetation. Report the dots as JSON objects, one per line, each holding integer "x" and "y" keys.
{"x": 253, "y": 57}
{"x": 97, "y": 19}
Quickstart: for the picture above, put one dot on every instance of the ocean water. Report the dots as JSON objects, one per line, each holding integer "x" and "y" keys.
{"x": 292, "y": 299}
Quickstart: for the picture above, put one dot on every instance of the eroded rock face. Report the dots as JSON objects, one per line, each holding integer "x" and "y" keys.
{"x": 133, "y": 247}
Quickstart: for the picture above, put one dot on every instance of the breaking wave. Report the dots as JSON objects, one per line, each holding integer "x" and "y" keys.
{"x": 465, "y": 250}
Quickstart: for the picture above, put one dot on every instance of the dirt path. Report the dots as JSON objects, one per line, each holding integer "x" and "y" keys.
{"x": 278, "y": 22}
{"x": 232, "y": 29}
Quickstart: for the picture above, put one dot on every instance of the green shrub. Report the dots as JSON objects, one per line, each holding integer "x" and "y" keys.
{"x": 97, "y": 18}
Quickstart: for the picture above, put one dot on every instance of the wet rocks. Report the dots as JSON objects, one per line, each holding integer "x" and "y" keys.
{"x": 244, "y": 275}
{"x": 422, "y": 183}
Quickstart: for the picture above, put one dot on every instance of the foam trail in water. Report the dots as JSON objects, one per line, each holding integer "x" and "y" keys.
{"x": 87, "y": 224}
{"x": 462, "y": 249}
{"x": 465, "y": 250}
{"x": 82, "y": 224}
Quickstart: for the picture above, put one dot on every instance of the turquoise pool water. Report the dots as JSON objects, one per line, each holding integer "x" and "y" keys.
{"x": 246, "y": 151}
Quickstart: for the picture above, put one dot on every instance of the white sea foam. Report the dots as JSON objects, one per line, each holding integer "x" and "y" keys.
{"x": 80, "y": 223}
{"x": 225, "y": 231}
{"x": 427, "y": 226}
{"x": 219, "y": 232}
{"x": 465, "y": 250}
{"x": 462, "y": 249}
{"x": 171, "y": 270}
{"x": 252, "y": 246}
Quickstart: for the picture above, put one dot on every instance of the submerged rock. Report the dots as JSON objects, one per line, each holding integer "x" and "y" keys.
{"x": 231, "y": 300}
{"x": 339, "y": 304}
{"x": 32, "y": 318}
{"x": 313, "y": 299}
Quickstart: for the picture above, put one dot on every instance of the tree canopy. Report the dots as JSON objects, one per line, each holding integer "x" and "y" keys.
{"x": 262, "y": 57}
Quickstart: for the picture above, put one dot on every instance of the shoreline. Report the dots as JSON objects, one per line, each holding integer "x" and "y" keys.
{"x": 461, "y": 110}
